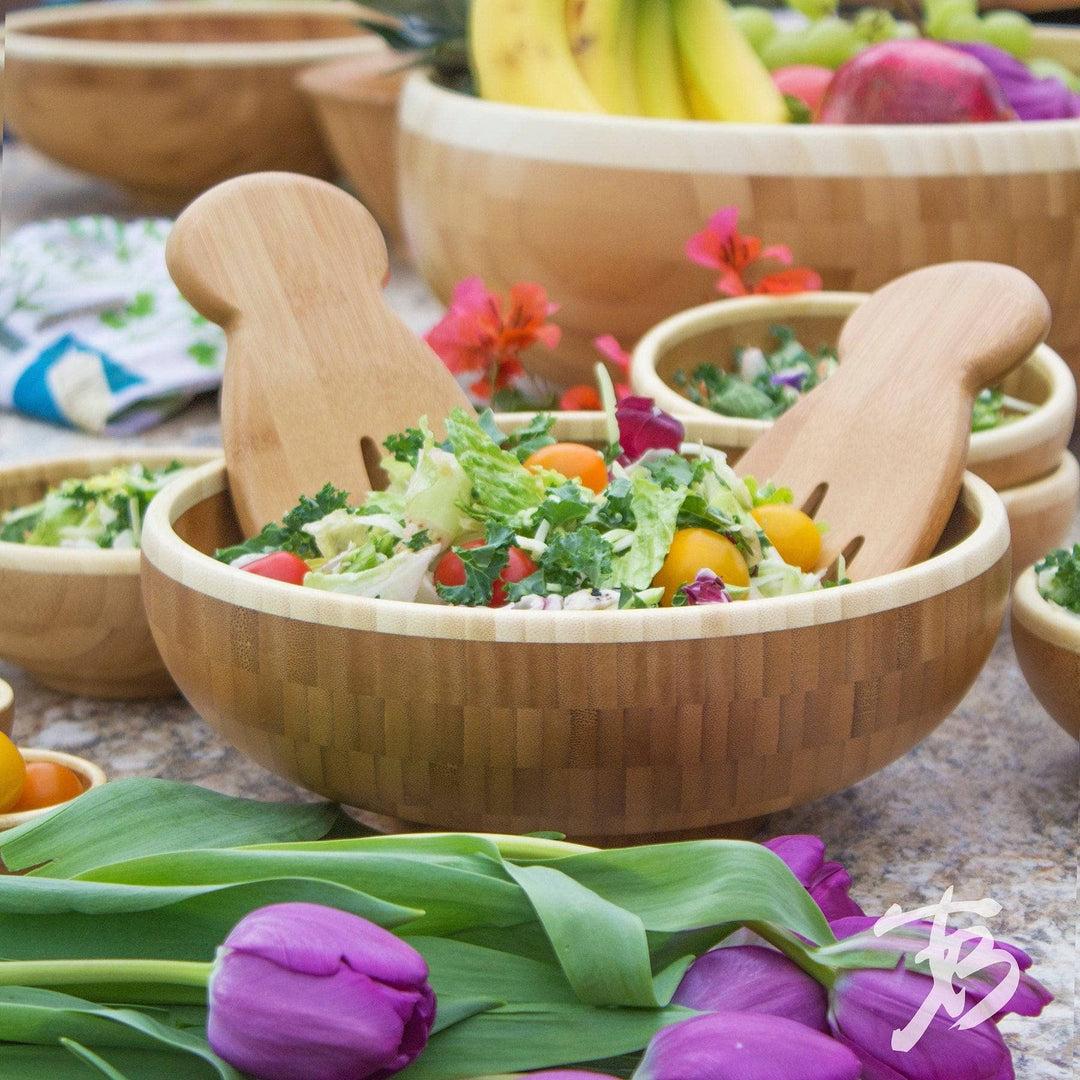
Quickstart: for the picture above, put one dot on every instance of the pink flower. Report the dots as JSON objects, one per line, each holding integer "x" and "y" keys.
{"x": 475, "y": 335}
{"x": 721, "y": 246}
{"x": 583, "y": 396}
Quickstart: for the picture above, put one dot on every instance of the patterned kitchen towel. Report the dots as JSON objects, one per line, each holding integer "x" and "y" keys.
{"x": 93, "y": 332}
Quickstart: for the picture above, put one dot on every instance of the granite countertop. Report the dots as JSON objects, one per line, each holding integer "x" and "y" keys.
{"x": 988, "y": 803}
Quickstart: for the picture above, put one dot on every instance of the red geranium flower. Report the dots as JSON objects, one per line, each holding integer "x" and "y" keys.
{"x": 721, "y": 246}
{"x": 475, "y": 335}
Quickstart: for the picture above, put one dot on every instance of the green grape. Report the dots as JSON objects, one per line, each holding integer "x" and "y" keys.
{"x": 756, "y": 23}
{"x": 831, "y": 41}
{"x": 906, "y": 30}
{"x": 1050, "y": 69}
{"x": 945, "y": 11}
{"x": 813, "y": 9}
{"x": 932, "y": 9}
{"x": 784, "y": 48}
{"x": 875, "y": 24}
{"x": 1008, "y": 30}
{"x": 961, "y": 27}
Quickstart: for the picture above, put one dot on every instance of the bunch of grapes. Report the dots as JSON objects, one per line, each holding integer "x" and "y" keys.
{"x": 828, "y": 39}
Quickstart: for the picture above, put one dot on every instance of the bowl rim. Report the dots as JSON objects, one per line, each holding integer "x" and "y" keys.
{"x": 1037, "y": 494}
{"x": 444, "y": 116}
{"x": 1057, "y": 412}
{"x": 355, "y": 80}
{"x": 1046, "y": 621}
{"x": 163, "y": 549}
{"x": 23, "y": 43}
{"x": 92, "y": 775}
{"x": 34, "y": 559}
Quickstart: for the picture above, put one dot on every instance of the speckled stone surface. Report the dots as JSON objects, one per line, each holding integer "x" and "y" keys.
{"x": 987, "y": 804}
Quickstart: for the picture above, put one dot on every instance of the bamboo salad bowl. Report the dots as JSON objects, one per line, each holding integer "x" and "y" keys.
{"x": 597, "y": 209}
{"x": 600, "y": 725}
{"x": 169, "y": 97}
{"x": 73, "y": 618}
{"x": 1025, "y": 460}
{"x": 1047, "y": 642}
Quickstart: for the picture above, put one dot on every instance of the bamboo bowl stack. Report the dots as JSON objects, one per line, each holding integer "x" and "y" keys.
{"x": 597, "y": 209}
{"x": 1025, "y": 460}
{"x": 603, "y": 725}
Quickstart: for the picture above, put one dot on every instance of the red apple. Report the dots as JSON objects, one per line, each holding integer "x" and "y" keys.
{"x": 913, "y": 82}
{"x": 807, "y": 82}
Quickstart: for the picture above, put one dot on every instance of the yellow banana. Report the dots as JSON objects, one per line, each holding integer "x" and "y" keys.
{"x": 725, "y": 79}
{"x": 659, "y": 77}
{"x": 601, "y": 36}
{"x": 520, "y": 54}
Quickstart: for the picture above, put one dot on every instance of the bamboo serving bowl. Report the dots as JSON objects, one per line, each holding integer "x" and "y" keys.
{"x": 89, "y": 774}
{"x": 72, "y": 617}
{"x": 1047, "y": 642}
{"x": 1025, "y": 459}
{"x": 167, "y": 98}
{"x": 601, "y": 724}
{"x": 597, "y": 209}
{"x": 356, "y": 102}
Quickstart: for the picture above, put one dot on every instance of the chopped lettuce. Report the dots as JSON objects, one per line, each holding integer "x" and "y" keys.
{"x": 1057, "y": 577}
{"x": 397, "y": 578}
{"x": 437, "y": 491}
{"x": 656, "y": 511}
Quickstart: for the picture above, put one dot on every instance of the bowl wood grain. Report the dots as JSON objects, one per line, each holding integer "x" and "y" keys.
{"x": 1047, "y": 642}
{"x": 73, "y": 618}
{"x": 168, "y": 98}
{"x": 603, "y": 724}
{"x": 1042, "y": 511}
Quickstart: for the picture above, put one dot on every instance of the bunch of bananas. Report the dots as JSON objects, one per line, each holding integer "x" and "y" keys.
{"x": 668, "y": 58}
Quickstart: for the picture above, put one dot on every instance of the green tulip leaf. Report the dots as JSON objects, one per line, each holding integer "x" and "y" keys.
{"x": 24, "y": 1062}
{"x": 86, "y": 1054}
{"x": 143, "y": 816}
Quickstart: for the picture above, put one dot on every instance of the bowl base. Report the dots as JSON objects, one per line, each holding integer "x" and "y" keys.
{"x": 728, "y": 830}
{"x": 155, "y": 684}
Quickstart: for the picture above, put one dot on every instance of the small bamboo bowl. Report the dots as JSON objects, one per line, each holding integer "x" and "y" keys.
{"x": 1023, "y": 460}
{"x": 1047, "y": 643}
{"x": 73, "y": 618}
{"x": 88, "y": 773}
{"x": 601, "y": 725}
{"x": 7, "y": 707}
{"x": 169, "y": 98}
{"x": 356, "y": 102}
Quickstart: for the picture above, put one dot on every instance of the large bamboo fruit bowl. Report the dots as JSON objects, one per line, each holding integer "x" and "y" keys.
{"x": 600, "y": 724}
{"x": 1025, "y": 460}
{"x": 597, "y": 209}
{"x": 168, "y": 98}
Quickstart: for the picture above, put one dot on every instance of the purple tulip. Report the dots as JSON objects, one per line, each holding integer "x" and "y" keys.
{"x": 568, "y": 1074}
{"x": 305, "y": 992}
{"x": 642, "y": 426}
{"x": 706, "y": 588}
{"x": 867, "y": 1005}
{"x": 755, "y": 979}
{"x": 744, "y": 1046}
{"x": 1029, "y": 998}
{"x": 1031, "y": 97}
{"x": 826, "y": 882}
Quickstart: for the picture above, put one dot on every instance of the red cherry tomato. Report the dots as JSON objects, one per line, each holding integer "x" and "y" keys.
{"x": 450, "y": 570}
{"x": 279, "y": 565}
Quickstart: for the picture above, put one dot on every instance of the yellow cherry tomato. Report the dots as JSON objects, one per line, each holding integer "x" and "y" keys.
{"x": 47, "y": 784}
{"x": 791, "y": 532}
{"x": 12, "y": 773}
{"x": 576, "y": 461}
{"x": 698, "y": 549}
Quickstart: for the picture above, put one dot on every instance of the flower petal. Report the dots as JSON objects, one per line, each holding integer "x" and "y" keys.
{"x": 826, "y": 882}
{"x": 869, "y": 1004}
{"x": 787, "y": 282}
{"x": 744, "y": 1046}
{"x": 608, "y": 346}
{"x": 759, "y": 979}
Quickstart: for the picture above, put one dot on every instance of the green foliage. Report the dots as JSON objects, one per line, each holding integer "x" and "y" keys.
{"x": 1058, "y": 577}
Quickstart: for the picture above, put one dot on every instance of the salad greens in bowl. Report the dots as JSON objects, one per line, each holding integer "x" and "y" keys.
{"x": 69, "y": 569}
{"x": 610, "y": 723}
{"x": 783, "y": 346}
{"x": 1046, "y": 633}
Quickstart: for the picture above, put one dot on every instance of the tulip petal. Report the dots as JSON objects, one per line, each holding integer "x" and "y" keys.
{"x": 867, "y": 1006}
{"x": 759, "y": 979}
{"x": 744, "y": 1046}
{"x": 826, "y": 882}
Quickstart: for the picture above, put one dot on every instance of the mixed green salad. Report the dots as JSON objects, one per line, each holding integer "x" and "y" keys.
{"x": 102, "y": 511}
{"x": 1057, "y": 577}
{"x": 764, "y": 384}
{"x": 490, "y": 518}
